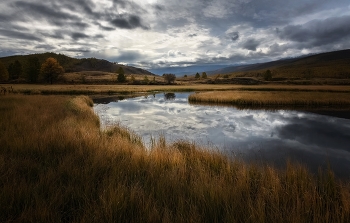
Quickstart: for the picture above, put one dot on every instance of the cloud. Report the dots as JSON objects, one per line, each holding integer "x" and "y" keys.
{"x": 20, "y": 35}
{"x": 36, "y": 10}
{"x": 318, "y": 32}
{"x": 234, "y": 36}
{"x": 128, "y": 22}
{"x": 77, "y": 36}
{"x": 251, "y": 44}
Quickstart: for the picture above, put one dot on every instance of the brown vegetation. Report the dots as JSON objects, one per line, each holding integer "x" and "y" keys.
{"x": 274, "y": 98}
{"x": 56, "y": 165}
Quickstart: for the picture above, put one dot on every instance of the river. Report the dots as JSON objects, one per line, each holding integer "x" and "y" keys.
{"x": 263, "y": 136}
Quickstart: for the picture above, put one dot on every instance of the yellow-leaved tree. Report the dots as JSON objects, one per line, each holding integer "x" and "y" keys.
{"x": 51, "y": 69}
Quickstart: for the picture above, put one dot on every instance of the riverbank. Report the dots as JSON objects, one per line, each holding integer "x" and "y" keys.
{"x": 37, "y": 89}
{"x": 314, "y": 98}
{"x": 57, "y": 166}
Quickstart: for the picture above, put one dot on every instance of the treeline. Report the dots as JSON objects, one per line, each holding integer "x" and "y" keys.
{"x": 32, "y": 70}
{"x": 29, "y": 71}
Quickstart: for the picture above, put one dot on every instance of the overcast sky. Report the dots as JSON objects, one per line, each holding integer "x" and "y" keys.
{"x": 162, "y": 33}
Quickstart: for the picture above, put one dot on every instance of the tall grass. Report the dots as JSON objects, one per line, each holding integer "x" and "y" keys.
{"x": 56, "y": 165}
{"x": 273, "y": 98}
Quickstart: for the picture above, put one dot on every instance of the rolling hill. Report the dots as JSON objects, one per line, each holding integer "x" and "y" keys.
{"x": 324, "y": 65}
{"x": 76, "y": 65}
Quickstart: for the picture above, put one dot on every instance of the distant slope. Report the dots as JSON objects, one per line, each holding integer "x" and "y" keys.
{"x": 75, "y": 65}
{"x": 332, "y": 64}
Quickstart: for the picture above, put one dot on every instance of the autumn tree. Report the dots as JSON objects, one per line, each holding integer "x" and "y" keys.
{"x": 169, "y": 78}
{"x": 204, "y": 75}
{"x": 197, "y": 75}
{"x": 121, "y": 75}
{"x": 4, "y": 75}
{"x": 32, "y": 69}
{"x": 51, "y": 69}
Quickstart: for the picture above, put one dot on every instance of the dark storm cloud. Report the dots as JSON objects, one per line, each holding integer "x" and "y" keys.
{"x": 19, "y": 35}
{"x": 318, "y": 32}
{"x": 77, "y": 36}
{"x": 36, "y": 9}
{"x": 128, "y": 22}
{"x": 128, "y": 55}
{"x": 251, "y": 44}
{"x": 234, "y": 36}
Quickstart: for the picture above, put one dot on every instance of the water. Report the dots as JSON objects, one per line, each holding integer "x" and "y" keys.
{"x": 253, "y": 135}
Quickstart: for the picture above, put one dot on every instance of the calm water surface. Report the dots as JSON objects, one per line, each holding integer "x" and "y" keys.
{"x": 253, "y": 135}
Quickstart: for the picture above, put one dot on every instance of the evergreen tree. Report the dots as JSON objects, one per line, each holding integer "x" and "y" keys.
{"x": 197, "y": 75}
{"x": 32, "y": 70}
{"x": 121, "y": 76}
{"x": 4, "y": 75}
{"x": 268, "y": 75}
{"x": 204, "y": 75}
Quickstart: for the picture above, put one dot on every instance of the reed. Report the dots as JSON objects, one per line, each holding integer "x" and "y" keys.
{"x": 56, "y": 165}
{"x": 273, "y": 98}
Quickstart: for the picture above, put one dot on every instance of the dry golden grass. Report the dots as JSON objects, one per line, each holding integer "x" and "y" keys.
{"x": 57, "y": 166}
{"x": 115, "y": 89}
{"x": 273, "y": 98}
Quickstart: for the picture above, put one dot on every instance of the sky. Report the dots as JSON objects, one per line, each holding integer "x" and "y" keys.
{"x": 155, "y": 34}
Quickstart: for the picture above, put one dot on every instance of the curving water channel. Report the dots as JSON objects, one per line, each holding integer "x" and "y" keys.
{"x": 254, "y": 135}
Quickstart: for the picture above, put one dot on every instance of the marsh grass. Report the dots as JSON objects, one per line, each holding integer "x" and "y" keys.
{"x": 56, "y": 165}
{"x": 273, "y": 98}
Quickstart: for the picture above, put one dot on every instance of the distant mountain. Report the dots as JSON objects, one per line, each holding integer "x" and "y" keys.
{"x": 75, "y": 65}
{"x": 189, "y": 70}
{"x": 323, "y": 64}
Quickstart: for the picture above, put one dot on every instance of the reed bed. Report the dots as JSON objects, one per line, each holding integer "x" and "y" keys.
{"x": 273, "y": 98}
{"x": 56, "y": 165}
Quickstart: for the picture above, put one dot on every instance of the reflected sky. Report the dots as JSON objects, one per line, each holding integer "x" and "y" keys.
{"x": 256, "y": 135}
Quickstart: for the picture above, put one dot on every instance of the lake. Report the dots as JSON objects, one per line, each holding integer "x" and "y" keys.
{"x": 263, "y": 136}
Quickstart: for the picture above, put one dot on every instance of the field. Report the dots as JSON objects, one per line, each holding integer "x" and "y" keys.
{"x": 56, "y": 165}
{"x": 117, "y": 89}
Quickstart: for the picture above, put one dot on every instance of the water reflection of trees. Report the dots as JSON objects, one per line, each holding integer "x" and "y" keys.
{"x": 169, "y": 96}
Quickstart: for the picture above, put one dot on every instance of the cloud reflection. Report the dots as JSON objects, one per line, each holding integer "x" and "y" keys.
{"x": 272, "y": 136}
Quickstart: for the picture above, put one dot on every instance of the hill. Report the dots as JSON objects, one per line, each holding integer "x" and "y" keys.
{"x": 324, "y": 65}
{"x": 76, "y": 65}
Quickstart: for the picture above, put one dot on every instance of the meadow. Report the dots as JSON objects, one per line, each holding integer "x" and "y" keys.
{"x": 57, "y": 165}
{"x": 95, "y": 89}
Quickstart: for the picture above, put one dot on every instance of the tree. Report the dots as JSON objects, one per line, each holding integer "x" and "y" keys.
{"x": 145, "y": 79}
{"x": 4, "y": 74}
{"x": 197, "y": 75}
{"x": 51, "y": 69}
{"x": 169, "y": 78}
{"x": 15, "y": 70}
{"x": 133, "y": 79}
{"x": 121, "y": 76}
{"x": 185, "y": 75}
{"x": 32, "y": 70}
{"x": 268, "y": 75}
{"x": 204, "y": 75}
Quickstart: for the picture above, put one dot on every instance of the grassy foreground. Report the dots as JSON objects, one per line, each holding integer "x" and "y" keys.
{"x": 57, "y": 166}
{"x": 273, "y": 98}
